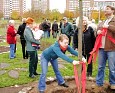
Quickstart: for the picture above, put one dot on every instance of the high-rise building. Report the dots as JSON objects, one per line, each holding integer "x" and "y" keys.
{"x": 88, "y": 5}
{"x": 100, "y": 4}
{"x": 7, "y": 6}
{"x": 42, "y": 5}
{"x": 73, "y": 5}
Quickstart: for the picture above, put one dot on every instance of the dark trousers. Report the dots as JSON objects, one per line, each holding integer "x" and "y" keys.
{"x": 89, "y": 66}
{"x": 15, "y": 49}
{"x": 69, "y": 39}
{"x": 33, "y": 62}
{"x": 25, "y": 53}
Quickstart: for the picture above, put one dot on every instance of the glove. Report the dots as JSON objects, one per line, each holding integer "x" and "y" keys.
{"x": 75, "y": 62}
{"x": 84, "y": 60}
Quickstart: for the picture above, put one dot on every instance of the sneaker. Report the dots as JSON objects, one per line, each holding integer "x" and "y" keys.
{"x": 112, "y": 86}
{"x": 64, "y": 85}
{"x": 32, "y": 76}
{"x": 89, "y": 74}
{"x": 90, "y": 78}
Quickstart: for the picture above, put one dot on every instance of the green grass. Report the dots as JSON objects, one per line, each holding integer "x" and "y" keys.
{"x": 19, "y": 62}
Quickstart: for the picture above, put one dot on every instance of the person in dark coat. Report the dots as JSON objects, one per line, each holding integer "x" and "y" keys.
{"x": 22, "y": 39}
{"x": 88, "y": 40}
{"x": 49, "y": 29}
{"x": 54, "y": 29}
{"x": 45, "y": 28}
{"x": 67, "y": 29}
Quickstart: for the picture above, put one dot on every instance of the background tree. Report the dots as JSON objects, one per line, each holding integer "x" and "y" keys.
{"x": 95, "y": 14}
{"x": 102, "y": 15}
{"x": 1, "y": 14}
{"x": 55, "y": 15}
{"x": 15, "y": 15}
{"x": 76, "y": 12}
{"x": 68, "y": 14}
{"x": 47, "y": 14}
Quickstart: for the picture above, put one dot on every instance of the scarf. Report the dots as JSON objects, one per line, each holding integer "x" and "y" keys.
{"x": 62, "y": 48}
{"x": 98, "y": 44}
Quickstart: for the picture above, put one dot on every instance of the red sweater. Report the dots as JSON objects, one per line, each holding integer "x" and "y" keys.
{"x": 11, "y": 35}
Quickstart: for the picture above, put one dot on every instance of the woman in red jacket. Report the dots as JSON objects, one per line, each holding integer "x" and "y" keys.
{"x": 11, "y": 38}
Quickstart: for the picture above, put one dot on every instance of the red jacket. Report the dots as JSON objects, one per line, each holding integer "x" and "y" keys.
{"x": 11, "y": 35}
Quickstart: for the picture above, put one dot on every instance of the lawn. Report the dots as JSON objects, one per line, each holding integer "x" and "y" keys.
{"x": 19, "y": 62}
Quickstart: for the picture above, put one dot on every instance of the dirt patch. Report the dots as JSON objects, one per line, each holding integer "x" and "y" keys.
{"x": 4, "y": 49}
{"x": 53, "y": 87}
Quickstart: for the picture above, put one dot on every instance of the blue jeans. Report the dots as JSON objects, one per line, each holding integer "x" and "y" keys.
{"x": 46, "y": 35}
{"x": 44, "y": 66}
{"x": 103, "y": 57}
{"x": 12, "y": 48}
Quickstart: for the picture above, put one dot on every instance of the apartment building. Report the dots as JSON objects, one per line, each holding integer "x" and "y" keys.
{"x": 42, "y": 5}
{"x": 73, "y": 5}
{"x": 88, "y": 5}
{"x": 100, "y": 4}
{"x": 7, "y": 6}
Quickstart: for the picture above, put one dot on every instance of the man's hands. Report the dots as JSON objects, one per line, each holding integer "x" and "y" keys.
{"x": 105, "y": 26}
{"x": 99, "y": 32}
{"x": 75, "y": 62}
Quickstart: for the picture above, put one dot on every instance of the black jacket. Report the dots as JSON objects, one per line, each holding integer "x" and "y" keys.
{"x": 21, "y": 31}
{"x": 55, "y": 27}
{"x": 88, "y": 40}
{"x": 45, "y": 26}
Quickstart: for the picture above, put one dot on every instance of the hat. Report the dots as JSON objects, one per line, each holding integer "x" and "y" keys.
{"x": 64, "y": 18}
{"x": 29, "y": 20}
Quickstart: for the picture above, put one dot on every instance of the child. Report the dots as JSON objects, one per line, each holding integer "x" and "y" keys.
{"x": 37, "y": 35}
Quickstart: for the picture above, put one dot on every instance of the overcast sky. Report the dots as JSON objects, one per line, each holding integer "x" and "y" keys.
{"x": 58, "y": 4}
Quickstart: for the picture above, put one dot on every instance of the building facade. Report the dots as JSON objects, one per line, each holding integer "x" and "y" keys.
{"x": 100, "y": 4}
{"x": 7, "y": 6}
{"x": 88, "y": 5}
{"x": 41, "y": 5}
{"x": 73, "y": 5}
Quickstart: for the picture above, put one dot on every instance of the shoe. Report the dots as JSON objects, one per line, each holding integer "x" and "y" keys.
{"x": 25, "y": 57}
{"x": 89, "y": 74}
{"x": 41, "y": 91}
{"x": 64, "y": 85}
{"x": 37, "y": 73}
{"x": 32, "y": 76}
{"x": 112, "y": 86}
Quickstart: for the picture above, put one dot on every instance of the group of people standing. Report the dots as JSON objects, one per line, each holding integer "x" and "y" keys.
{"x": 58, "y": 49}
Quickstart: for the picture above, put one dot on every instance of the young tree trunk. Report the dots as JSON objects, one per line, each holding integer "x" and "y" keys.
{"x": 80, "y": 41}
